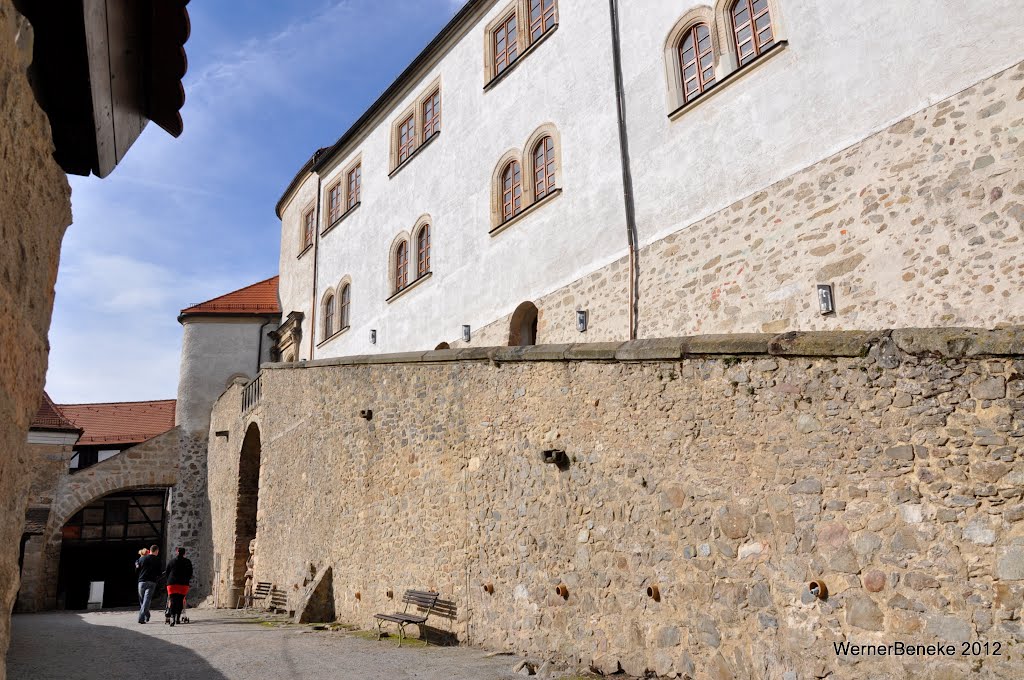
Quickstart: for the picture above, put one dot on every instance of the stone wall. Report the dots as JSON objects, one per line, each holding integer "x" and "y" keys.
{"x": 35, "y": 209}
{"x": 728, "y": 471}
{"x": 189, "y": 506}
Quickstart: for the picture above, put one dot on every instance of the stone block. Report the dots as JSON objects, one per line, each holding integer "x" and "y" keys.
{"x": 661, "y": 349}
{"x": 592, "y": 351}
{"x": 400, "y": 358}
{"x": 1010, "y": 563}
{"x": 960, "y": 342}
{"x": 862, "y": 612}
{"x": 822, "y": 343}
{"x": 948, "y": 628}
{"x": 441, "y": 355}
{"x": 545, "y": 352}
{"x": 989, "y": 388}
{"x": 732, "y": 344}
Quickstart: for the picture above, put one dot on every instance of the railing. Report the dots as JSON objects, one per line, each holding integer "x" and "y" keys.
{"x": 251, "y": 393}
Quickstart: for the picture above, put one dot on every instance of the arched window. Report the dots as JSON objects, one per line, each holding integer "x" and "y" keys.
{"x": 542, "y": 17}
{"x": 423, "y": 251}
{"x": 328, "y": 316}
{"x": 543, "y": 167}
{"x": 752, "y": 29}
{"x": 511, "y": 191}
{"x": 346, "y": 299}
{"x": 401, "y": 266}
{"x": 696, "y": 61}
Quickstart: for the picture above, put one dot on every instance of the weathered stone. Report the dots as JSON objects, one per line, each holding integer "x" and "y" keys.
{"x": 862, "y": 612}
{"x": 806, "y": 486}
{"x": 918, "y": 581}
{"x": 990, "y": 388}
{"x": 825, "y": 343}
{"x": 806, "y": 423}
{"x": 981, "y": 531}
{"x": 1010, "y": 563}
{"x": 948, "y": 628}
{"x": 734, "y": 522}
{"x": 902, "y": 452}
{"x": 873, "y": 581}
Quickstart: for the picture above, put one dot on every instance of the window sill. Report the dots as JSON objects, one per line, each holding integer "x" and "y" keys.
{"x": 304, "y": 251}
{"x": 775, "y": 49}
{"x": 341, "y": 219}
{"x": 418, "y": 281}
{"x": 415, "y": 153}
{"x": 527, "y": 211}
{"x": 336, "y": 334}
{"x": 511, "y": 67}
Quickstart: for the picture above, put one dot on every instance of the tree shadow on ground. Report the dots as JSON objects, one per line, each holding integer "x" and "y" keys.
{"x": 64, "y": 646}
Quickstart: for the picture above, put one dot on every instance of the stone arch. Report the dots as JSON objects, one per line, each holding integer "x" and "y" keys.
{"x": 243, "y": 377}
{"x": 702, "y": 14}
{"x": 523, "y": 325}
{"x": 529, "y": 171}
{"x": 247, "y": 504}
{"x": 442, "y": 345}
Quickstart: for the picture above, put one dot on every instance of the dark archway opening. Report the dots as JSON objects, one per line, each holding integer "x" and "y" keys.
{"x": 523, "y": 326}
{"x": 442, "y": 345}
{"x": 245, "y": 511}
{"x": 101, "y": 542}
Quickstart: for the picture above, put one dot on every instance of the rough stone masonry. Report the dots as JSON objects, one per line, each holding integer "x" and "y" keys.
{"x": 728, "y": 471}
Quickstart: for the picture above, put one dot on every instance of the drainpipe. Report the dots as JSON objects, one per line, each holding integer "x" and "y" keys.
{"x": 316, "y": 248}
{"x": 627, "y": 175}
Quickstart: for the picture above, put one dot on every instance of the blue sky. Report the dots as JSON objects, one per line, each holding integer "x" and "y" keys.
{"x": 183, "y": 220}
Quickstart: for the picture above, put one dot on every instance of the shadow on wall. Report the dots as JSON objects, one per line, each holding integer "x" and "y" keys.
{"x": 89, "y": 650}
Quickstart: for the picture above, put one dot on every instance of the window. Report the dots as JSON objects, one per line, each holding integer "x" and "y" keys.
{"x": 506, "y": 45}
{"x": 355, "y": 182}
{"x": 309, "y": 224}
{"x": 406, "y": 138}
{"x": 696, "y": 61}
{"x": 542, "y": 17}
{"x": 401, "y": 266}
{"x": 432, "y": 115}
{"x": 328, "y": 316}
{"x": 752, "y": 29}
{"x": 334, "y": 203}
{"x": 544, "y": 168}
{"x": 346, "y": 299}
{"x": 423, "y": 251}
{"x": 511, "y": 191}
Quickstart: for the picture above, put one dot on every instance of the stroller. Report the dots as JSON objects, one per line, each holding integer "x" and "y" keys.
{"x": 174, "y": 594}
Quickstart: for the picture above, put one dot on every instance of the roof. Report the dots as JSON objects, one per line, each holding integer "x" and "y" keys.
{"x": 49, "y": 417}
{"x": 122, "y": 422}
{"x": 435, "y": 47}
{"x": 258, "y": 299}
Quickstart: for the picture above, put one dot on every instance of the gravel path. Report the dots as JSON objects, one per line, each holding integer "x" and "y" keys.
{"x": 224, "y": 645}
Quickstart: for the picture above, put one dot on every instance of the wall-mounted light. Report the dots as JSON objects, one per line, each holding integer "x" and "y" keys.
{"x": 826, "y": 302}
{"x": 466, "y": 334}
{"x": 373, "y": 336}
{"x": 581, "y": 320}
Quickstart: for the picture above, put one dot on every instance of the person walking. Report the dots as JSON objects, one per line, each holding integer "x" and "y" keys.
{"x": 149, "y": 574}
{"x": 178, "y": 574}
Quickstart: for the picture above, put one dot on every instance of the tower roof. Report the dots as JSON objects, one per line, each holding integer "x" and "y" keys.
{"x": 256, "y": 299}
{"x": 50, "y": 417}
{"x": 122, "y": 422}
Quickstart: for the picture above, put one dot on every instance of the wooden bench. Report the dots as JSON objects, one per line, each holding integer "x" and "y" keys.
{"x": 420, "y": 600}
{"x": 260, "y": 592}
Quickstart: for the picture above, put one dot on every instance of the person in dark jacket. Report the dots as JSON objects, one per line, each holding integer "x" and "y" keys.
{"x": 149, "y": 574}
{"x": 178, "y": 574}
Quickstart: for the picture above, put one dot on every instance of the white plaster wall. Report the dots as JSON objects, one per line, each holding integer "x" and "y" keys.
{"x": 850, "y": 69}
{"x": 296, "y": 273}
{"x": 213, "y": 350}
{"x": 476, "y": 277}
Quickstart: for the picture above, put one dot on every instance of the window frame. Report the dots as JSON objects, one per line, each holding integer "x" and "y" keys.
{"x": 550, "y": 168}
{"x": 307, "y": 228}
{"x": 345, "y": 305}
{"x": 551, "y": 12}
{"x": 758, "y": 48}
{"x": 498, "y": 63}
{"x": 422, "y": 249}
{"x": 416, "y": 113}
{"x": 327, "y": 309}
{"x": 400, "y": 266}
{"x": 334, "y": 212}
{"x": 355, "y": 170}
{"x": 508, "y": 188}
{"x": 703, "y": 84}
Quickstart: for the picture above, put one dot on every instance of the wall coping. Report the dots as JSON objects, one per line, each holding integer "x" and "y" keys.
{"x": 955, "y": 343}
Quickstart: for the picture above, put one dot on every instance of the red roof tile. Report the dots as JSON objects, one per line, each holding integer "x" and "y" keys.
{"x": 259, "y": 298}
{"x": 49, "y": 417}
{"x": 124, "y": 422}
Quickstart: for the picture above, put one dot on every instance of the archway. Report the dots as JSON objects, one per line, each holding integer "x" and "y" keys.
{"x": 523, "y": 326}
{"x": 245, "y": 509}
{"x": 442, "y": 345}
